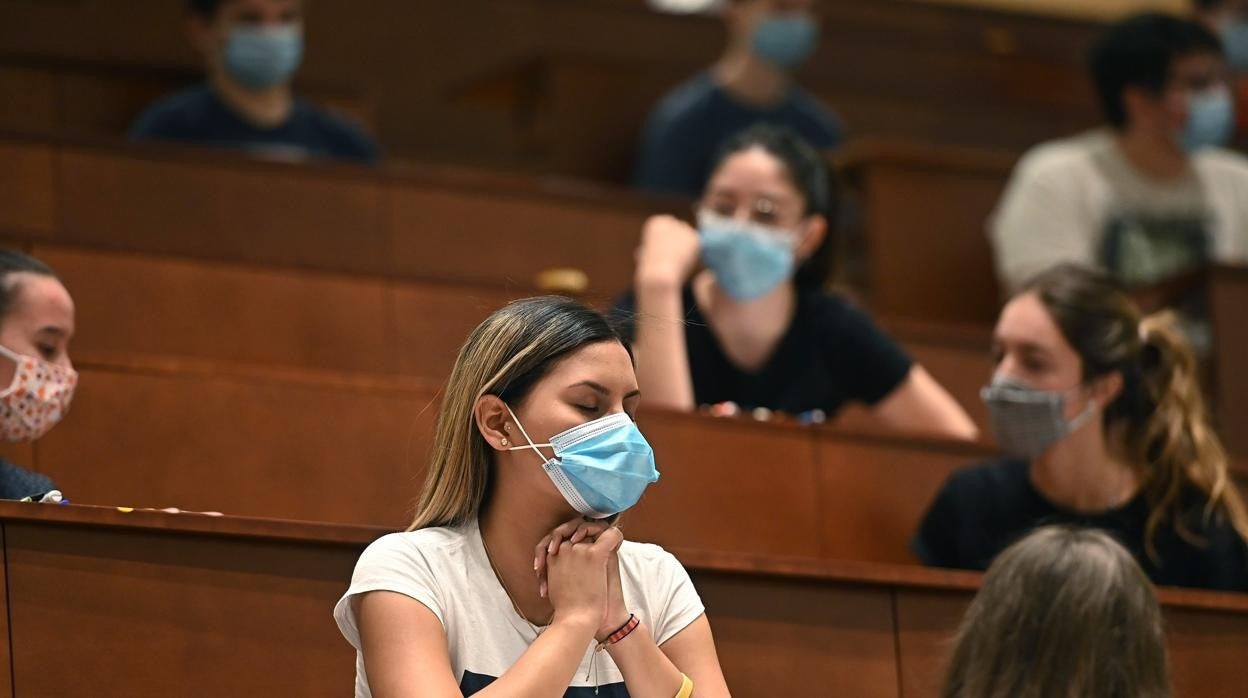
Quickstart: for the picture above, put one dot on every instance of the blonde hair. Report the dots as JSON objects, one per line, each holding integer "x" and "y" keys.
{"x": 505, "y": 355}
{"x": 1062, "y": 613}
{"x": 1159, "y": 422}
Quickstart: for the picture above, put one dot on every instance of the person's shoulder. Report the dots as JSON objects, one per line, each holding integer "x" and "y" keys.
{"x": 177, "y": 111}
{"x": 1221, "y": 163}
{"x": 820, "y": 119}
{"x": 683, "y": 104}
{"x": 832, "y": 311}
{"x": 649, "y": 563}
{"x": 991, "y": 478}
{"x": 348, "y": 137}
{"x": 1060, "y": 156}
{"x": 426, "y": 544}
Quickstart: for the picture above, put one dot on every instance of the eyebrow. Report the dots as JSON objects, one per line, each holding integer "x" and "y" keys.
{"x": 602, "y": 389}
{"x": 58, "y": 331}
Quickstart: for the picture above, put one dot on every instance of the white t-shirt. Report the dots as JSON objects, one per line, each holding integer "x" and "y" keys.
{"x": 1079, "y": 200}
{"x": 446, "y": 569}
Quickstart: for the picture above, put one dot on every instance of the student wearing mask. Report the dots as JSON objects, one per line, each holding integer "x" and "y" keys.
{"x": 751, "y": 83}
{"x": 1100, "y": 415}
{"x": 1064, "y": 612}
{"x": 755, "y": 326}
{"x": 36, "y": 324}
{"x": 252, "y": 49}
{"x": 1152, "y": 195}
{"x": 512, "y": 580}
{"x": 1228, "y": 19}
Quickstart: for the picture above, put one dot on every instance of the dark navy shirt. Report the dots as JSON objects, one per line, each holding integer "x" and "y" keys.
{"x": 17, "y": 483}
{"x": 688, "y": 128}
{"x": 197, "y": 115}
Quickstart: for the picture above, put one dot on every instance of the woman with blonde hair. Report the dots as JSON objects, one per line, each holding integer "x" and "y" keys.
{"x": 1100, "y": 413}
{"x": 512, "y": 580}
{"x": 1063, "y": 613}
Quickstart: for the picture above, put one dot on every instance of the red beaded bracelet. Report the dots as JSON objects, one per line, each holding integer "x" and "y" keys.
{"x": 624, "y": 631}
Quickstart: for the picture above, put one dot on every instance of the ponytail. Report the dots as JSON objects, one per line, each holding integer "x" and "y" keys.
{"x": 1167, "y": 431}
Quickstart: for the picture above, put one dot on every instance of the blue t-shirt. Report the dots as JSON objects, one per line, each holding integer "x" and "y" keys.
{"x": 197, "y": 115}
{"x": 687, "y": 129}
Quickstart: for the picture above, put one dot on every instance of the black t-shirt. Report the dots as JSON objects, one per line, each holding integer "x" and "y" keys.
{"x": 981, "y": 510}
{"x": 198, "y": 116}
{"x": 831, "y": 354}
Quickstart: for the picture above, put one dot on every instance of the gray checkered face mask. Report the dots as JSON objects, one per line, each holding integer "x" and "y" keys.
{"x": 1026, "y": 421}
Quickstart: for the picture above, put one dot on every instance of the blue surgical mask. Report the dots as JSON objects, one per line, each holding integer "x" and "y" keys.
{"x": 748, "y": 260}
{"x": 262, "y": 57}
{"x": 785, "y": 40}
{"x": 1210, "y": 119}
{"x": 601, "y": 467}
{"x": 1235, "y": 43}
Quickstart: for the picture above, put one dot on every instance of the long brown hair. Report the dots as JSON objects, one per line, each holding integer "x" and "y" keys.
{"x": 1063, "y": 613}
{"x": 505, "y": 355}
{"x": 1159, "y": 422}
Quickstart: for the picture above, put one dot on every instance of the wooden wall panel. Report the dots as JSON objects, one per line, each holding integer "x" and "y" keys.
{"x": 27, "y": 197}
{"x": 269, "y": 214}
{"x": 29, "y": 103}
{"x": 882, "y": 488}
{"x": 482, "y": 238}
{"x": 779, "y": 637}
{"x": 926, "y": 623}
{"x": 136, "y": 614}
{"x": 1207, "y": 652}
{"x": 732, "y": 485}
{"x": 1228, "y": 299}
{"x": 243, "y": 444}
{"x": 433, "y": 322}
{"x": 134, "y": 305}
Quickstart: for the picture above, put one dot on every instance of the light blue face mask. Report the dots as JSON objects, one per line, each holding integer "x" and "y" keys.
{"x": 262, "y": 57}
{"x": 601, "y": 467}
{"x": 1235, "y": 43}
{"x": 785, "y": 40}
{"x": 1210, "y": 119}
{"x": 748, "y": 260}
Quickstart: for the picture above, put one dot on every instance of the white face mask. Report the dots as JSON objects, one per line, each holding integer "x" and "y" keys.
{"x": 37, "y": 399}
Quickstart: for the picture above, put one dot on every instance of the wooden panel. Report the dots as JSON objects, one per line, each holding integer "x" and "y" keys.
{"x": 433, "y": 322}
{"x": 27, "y": 199}
{"x": 926, "y": 624}
{"x": 882, "y": 487}
{"x": 1228, "y": 299}
{"x": 131, "y": 305}
{"x": 243, "y": 444}
{"x": 6, "y": 651}
{"x": 1207, "y": 652}
{"x": 467, "y": 237}
{"x": 159, "y": 615}
{"x": 29, "y": 102}
{"x": 792, "y": 638}
{"x": 269, "y": 214}
{"x": 927, "y": 250}
{"x": 732, "y": 485}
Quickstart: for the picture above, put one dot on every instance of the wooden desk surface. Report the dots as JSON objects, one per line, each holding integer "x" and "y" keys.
{"x": 149, "y": 603}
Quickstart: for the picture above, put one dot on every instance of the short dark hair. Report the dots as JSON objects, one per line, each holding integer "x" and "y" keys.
{"x": 1140, "y": 52}
{"x": 1208, "y": 4}
{"x": 204, "y": 8}
{"x": 13, "y": 262}
{"x": 809, "y": 172}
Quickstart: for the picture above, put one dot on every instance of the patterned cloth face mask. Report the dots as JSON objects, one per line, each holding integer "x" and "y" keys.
{"x": 601, "y": 467}
{"x": 37, "y": 399}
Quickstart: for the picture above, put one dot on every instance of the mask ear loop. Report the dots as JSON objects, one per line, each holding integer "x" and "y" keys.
{"x": 536, "y": 447}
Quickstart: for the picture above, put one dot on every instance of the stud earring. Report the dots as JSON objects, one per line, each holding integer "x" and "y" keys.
{"x": 505, "y": 442}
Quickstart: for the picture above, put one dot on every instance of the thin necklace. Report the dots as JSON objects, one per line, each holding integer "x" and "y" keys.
{"x": 498, "y": 575}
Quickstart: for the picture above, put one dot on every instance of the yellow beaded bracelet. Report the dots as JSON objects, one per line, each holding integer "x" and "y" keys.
{"x": 686, "y": 687}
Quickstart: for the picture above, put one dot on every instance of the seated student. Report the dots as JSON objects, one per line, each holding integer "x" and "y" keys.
{"x": 36, "y": 324}
{"x": 1149, "y": 197}
{"x": 1229, "y": 20}
{"x": 755, "y": 327}
{"x": 1101, "y": 415}
{"x": 252, "y": 49}
{"x": 512, "y": 579}
{"x": 1062, "y": 613}
{"x": 751, "y": 83}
